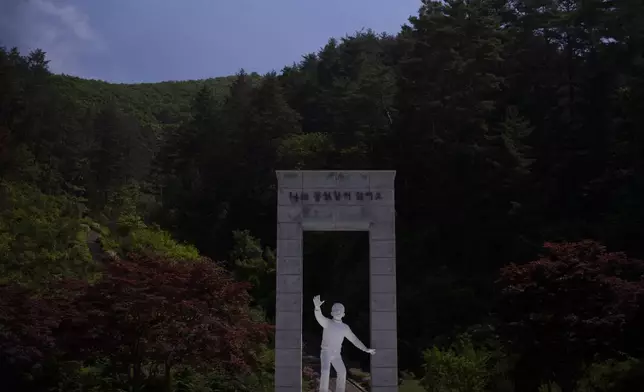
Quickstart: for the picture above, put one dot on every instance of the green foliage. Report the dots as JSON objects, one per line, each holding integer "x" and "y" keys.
{"x": 217, "y": 382}
{"x": 250, "y": 263}
{"x": 361, "y": 377}
{"x": 188, "y": 380}
{"x": 411, "y": 386}
{"x": 75, "y": 376}
{"x": 610, "y": 376}
{"x": 42, "y": 238}
{"x": 549, "y": 387}
{"x": 306, "y": 151}
{"x": 261, "y": 379}
{"x": 359, "y": 374}
{"x": 129, "y": 233}
{"x": 156, "y": 241}
{"x": 154, "y": 104}
{"x": 460, "y": 368}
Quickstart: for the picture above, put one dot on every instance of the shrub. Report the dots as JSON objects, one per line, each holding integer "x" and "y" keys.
{"x": 42, "y": 237}
{"x": 572, "y": 304}
{"x": 153, "y": 240}
{"x": 549, "y": 387}
{"x": 124, "y": 231}
{"x": 361, "y": 376}
{"x": 610, "y": 376}
{"x": 460, "y": 368}
{"x": 29, "y": 350}
{"x": 150, "y": 311}
{"x": 250, "y": 263}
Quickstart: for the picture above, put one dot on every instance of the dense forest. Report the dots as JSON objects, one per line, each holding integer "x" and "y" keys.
{"x": 137, "y": 222}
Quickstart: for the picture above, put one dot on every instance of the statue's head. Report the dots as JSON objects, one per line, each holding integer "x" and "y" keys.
{"x": 337, "y": 311}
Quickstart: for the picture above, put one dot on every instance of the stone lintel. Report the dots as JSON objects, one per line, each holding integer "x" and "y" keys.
{"x": 328, "y": 179}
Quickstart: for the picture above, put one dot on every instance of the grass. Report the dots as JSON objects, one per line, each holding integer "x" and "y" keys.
{"x": 408, "y": 384}
{"x": 411, "y": 386}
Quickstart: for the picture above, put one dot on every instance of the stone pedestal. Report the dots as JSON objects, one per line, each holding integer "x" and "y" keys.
{"x": 336, "y": 201}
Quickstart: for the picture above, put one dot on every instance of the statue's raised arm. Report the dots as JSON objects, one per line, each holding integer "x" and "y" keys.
{"x": 323, "y": 321}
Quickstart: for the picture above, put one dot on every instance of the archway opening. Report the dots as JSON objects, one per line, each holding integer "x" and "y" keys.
{"x": 336, "y": 267}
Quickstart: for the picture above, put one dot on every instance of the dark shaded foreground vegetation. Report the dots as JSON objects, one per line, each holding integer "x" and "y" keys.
{"x": 137, "y": 222}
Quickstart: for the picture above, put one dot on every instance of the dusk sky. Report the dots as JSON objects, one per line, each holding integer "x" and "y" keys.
{"x": 154, "y": 40}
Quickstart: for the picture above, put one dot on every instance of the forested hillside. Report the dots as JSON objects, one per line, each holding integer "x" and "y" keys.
{"x": 137, "y": 222}
{"x": 157, "y": 105}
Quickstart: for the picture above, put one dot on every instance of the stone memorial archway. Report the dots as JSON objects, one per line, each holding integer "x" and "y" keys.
{"x": 321, "y": 200}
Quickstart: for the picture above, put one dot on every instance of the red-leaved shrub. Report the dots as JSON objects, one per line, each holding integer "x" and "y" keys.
{"x": 571, "y": 305}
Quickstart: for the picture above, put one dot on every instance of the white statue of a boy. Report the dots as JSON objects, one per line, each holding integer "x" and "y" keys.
{"x": 334, "y": 333}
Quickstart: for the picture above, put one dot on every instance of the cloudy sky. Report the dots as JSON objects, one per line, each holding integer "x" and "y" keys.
{"x": 154, "y": 40}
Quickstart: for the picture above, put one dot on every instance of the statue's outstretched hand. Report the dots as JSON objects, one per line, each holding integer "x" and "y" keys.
{"x": 371, "y": 351}
{"x": 317, "y": 302}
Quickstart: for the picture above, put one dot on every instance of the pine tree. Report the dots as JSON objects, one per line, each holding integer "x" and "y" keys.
{"x": 448, "y": 85}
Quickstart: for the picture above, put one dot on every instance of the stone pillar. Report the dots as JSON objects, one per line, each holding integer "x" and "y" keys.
{"x": 382, "y": 285}
{"x": 288, "y": 323}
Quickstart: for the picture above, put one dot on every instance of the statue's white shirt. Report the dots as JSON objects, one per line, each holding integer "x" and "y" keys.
{"x": 333, "y": 335}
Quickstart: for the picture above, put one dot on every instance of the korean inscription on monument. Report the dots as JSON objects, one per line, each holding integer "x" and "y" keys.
{"x": 323, "y": 197}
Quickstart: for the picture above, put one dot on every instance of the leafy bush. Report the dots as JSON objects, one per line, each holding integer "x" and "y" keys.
{"x": 576, "y": 302}
{"x": 309, "y": 379}
{"x": 125, "y": 231}
{"x": 143, "y": 239}
{"x": 42, "y": 237}
{"x": 234, "y": 383}
{"x": 612, "y": 376}
{"x": 138, "y": 325}
{"x": 261, "y": 379}
{"x": 460, "y": 368}
{"x": 250, "y": 263}
{"x": 360, "y": 375}
{"x": 549, "y": 387}
{"x": 152, "y": 310}
{"x": 307, "y": 150}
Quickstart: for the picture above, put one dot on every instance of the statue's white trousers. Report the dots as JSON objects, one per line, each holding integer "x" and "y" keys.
{"x": 328, "y": 358}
